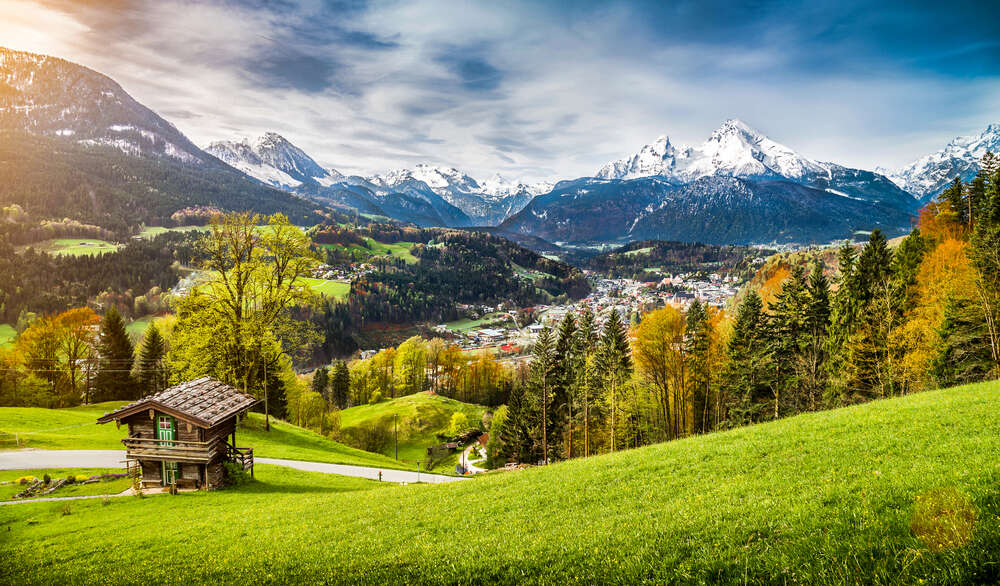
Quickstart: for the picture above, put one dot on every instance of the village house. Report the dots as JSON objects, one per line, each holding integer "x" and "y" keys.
{"x": 184, "y": 434}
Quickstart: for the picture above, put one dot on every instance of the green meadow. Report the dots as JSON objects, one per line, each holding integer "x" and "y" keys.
{"x": 7, "y": 335}
{"x": 895, "y": 491}
{"x": 75, "y": 246}
{"x": 375, "y": 248}
{"x": 328, "y": 288}
{"x": 419, "y": 418}
{"x": 150, "y": 232}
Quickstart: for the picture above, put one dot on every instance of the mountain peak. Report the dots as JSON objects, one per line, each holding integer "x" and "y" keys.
{"x": 273, "y": 159}
{"x": 735, "y": 126}
{"x": 734, "y": 149}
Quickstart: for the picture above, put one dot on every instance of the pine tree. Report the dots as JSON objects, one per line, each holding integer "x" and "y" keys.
{"x": 614, "y": 362}
{"x": 786, "y": 341}
{"x": 843, "y": 311}
{"x": 542, "y": 379}
{"x": 321, "y": 383}
{"x": 517, "y": 436}
{"x": 954, "y": 197}
{"x": 870, "y": 366}
{"x": 114, "y": 378}
{"x": 150, "y": 375}
{"x": 964, "y": 354}
{"x": 586, "y": 347}
{"x": 984, "y": 252}
{"x": 905, "y": 266}
{"x": 698, "y": 347}
{"x": 816, "y": 325}
{"x": 340, "y": 385}
{"x": 747, "y": 371}
{"x": 564, "y": 382}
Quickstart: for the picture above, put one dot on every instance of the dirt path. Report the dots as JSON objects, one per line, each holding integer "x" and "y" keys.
{"x": 32, "y": 459}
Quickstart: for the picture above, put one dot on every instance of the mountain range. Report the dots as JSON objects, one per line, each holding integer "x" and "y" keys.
{"x": 74, "y": 144}
{"x": 66, "y": 125}
{"x": 929, "y": 175}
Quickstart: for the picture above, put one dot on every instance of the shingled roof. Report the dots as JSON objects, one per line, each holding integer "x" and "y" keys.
{"x": 205, "y": 402}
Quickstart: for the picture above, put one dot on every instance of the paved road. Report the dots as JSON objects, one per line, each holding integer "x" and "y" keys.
{"x": 31, "y": 459}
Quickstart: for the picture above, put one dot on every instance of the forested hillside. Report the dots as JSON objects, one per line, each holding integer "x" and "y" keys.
{"x": 649, "y": 258}
{"x": 53, "y": 178}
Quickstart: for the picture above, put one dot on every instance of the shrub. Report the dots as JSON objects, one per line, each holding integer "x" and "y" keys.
{"x": 70, "y": 479}
{"x": 46, "y": 479}
{"x": 25, "y": 479}
{"x": 235, "y": 474}
{"x": 82, "y": 478}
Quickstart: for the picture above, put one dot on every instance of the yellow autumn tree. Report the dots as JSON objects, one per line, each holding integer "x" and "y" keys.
{"x": 945, "y": 272}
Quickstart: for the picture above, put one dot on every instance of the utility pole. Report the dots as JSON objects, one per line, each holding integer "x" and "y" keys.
{"x": 395, "y": 430}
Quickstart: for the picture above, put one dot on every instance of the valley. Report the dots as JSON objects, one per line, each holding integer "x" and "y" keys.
{"x": 399, "y": 293}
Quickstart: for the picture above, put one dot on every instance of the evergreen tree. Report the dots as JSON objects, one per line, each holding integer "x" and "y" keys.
{"x": 816, "y": 324}
{"x": 321, "y": 383}
{"x": 905, "y": 266}
{"x": 586, "y": 346}
{"x": 541, "y": 383}
{"x": 698, "y": 347}
{"x": 964, "y": 354}
{"x": 340, "y": 385}
{"x": 984, "y": 252}
{"x": 517, "y": 436}
{"x": 150, "y": 375}
{"x": 614, "y": 362}
{"x": 786, "y": 342}
{"x": 746, "y": 374}
{"x": 114, "y": 378}
{"x": 870, "y": 362}
{"x": 954, "y": 196}
{"x": 564, "y": 382}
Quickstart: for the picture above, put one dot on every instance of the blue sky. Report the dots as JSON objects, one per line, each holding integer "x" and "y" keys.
{"x": 539, "y": 90}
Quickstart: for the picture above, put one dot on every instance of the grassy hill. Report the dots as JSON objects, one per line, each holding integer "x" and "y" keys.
{"x": 421, "y": 416}
{"x": 7, "y": 335}
{"x": 75, "y": 428}
{"x": 867, "y": 494}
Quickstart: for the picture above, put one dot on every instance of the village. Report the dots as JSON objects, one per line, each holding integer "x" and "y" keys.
{"x": 510, "y": 332}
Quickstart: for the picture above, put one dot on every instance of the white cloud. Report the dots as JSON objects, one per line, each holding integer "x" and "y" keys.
{"x": 577, "y": 89}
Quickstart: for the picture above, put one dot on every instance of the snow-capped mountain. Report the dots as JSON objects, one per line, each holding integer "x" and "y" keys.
{"x": 929, "y": 175}
{"x": 274, "y": 160}
{"x": 52, "y": 97}
{"x": 487, "y": 202}
{"x": 734, "y": 149}
{"x": 448, "y": 180}
{"x": 499, "y": 187}
{"x": 737, "y": 150}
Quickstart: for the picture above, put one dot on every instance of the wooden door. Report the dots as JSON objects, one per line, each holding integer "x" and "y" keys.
{"x": 166, "y": 431}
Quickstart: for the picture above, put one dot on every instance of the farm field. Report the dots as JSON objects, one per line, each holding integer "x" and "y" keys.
{"x": 7, "y": 335}
{"x": 375, "y": 248}
{"x": 74, "y": 246}
{"x": 490, "y": 320}
{"x": 149, "y": 232}
{"x": 137, "y": 328}
{"x": 420, "y": 417}
{"x": 75, "y": 428}
{"x": 328, "y": 288}
{"x": 895, "y": 491}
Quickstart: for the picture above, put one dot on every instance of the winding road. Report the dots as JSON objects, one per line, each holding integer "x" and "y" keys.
{"x": 33, "y": 459}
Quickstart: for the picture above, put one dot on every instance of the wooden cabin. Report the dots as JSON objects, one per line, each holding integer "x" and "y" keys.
{"x": 182, "y": 435}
